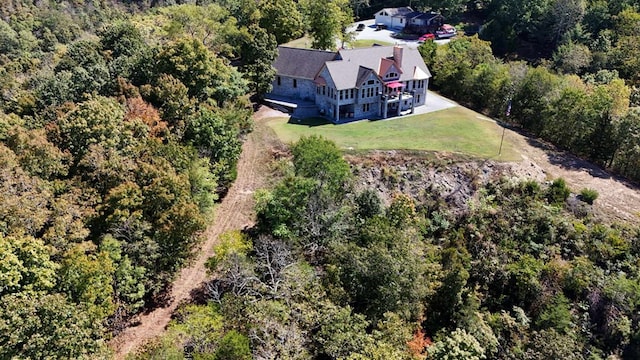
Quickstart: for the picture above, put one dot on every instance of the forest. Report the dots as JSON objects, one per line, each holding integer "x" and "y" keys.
{"x": 121, "y": 125}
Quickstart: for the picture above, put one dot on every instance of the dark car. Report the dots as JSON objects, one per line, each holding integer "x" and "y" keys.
{"x": 360, "y": 27}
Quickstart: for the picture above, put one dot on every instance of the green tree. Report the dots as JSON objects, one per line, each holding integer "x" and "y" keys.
{"x": 320, "y": 159}
{"x": 257, "y": 56}
{"x": 89, "y": 72}
{"x": 96, "y": 121}
{"x": 556, "y": 315}
{"x": 282, "y": 19}
{"x": 86, "y": 276}
{"x": 454, "y": 62}
{"x": 532, "y": 98}
{"x": 25, "y": 266}
{"x": 458, "y": 345}
{"x": 326, "y": 21}
{"x": 171, "y": 97}
{"x": 201, "y": 71}
{"x": 217, "y": 138}
{"x": 572, "y": 58}
{"x": 121, "y": 39}
{"x": 233, "y": 346}
{"x": 47, "y": 326}
{"x": 342, "y": 333}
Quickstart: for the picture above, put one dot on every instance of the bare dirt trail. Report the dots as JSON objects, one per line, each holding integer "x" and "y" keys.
{"x": 234, "y": 212}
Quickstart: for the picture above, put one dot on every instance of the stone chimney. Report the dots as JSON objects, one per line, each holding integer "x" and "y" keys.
{"x": 397, "y": 56}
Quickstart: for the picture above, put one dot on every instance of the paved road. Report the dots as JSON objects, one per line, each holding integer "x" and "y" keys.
{"x": 370, "y": 33}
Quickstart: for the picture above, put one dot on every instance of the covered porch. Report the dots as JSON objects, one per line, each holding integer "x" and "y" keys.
{"x": 396, "y": 101}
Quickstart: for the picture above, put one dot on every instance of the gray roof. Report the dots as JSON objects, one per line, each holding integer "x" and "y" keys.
{"x": 428, "y": 16}
{"x": 346, "y": 71}
{"x": 413, "y": 14}
{"x": 398, "y": 11}
{"x": 301, "y": 63}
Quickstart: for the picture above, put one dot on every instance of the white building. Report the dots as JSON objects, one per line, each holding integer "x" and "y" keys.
{"x": 393, "y": 18}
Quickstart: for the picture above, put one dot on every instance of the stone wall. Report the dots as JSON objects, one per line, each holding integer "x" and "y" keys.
{"x": 304, "y": 89}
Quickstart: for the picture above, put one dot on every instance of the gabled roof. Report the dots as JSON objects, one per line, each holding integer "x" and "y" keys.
{"x": 301, "y": 63}
{"x": 398, "y": 11}
{"x": 419, "y": 74}
{"x": 363, "y": 75}
{"x": 373, "y": 58}
{"x": 385, "y": 65}
{"x": 345, "y": 74}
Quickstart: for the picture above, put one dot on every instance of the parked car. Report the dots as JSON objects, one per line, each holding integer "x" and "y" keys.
{"x": 360, "y": 27}
{"x": 380, "y": 26}
{"x": 426, "y": 37}
{"x": 445, "y": 31}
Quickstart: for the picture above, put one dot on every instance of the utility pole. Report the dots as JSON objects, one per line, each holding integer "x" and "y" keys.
{"x": 503, "y": 127}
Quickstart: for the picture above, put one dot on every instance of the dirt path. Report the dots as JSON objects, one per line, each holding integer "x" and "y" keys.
{"x": 234, "y": 212}
{"x": 618, "y": 199}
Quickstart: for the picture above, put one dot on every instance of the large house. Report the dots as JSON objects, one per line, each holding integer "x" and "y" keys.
{"x": 374, "y": 82}
{"x": 407, "y": 19}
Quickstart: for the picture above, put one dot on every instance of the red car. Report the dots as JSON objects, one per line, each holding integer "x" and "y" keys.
{"x": 445, "y": 31}
{"x": 426, "y": 37}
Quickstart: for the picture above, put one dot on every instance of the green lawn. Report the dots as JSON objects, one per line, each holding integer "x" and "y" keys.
{"x": 367, "y": 43}
{"x": 305, "y": 43}
{"x": 456, "y": 130}
{"x": 302, "y": 43}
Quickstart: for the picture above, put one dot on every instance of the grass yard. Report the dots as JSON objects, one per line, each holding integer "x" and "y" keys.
{"x": 301, "y": 43}
{"x": 367, "y": 43}
{"x": 305, "y": 43}
{"x": 456, "y": 130}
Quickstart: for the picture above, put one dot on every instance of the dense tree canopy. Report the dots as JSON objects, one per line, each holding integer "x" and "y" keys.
{"x": 115, "y": 145}
{"x": 121, "y": 124}
{"x": 519, "y": 273}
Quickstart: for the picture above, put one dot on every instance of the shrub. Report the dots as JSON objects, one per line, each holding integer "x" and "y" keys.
{"x": 558, "y": 192}
{"x": 588, "y": 195}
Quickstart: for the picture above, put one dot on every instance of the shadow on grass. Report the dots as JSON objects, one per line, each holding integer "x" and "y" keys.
{"x": 310, "y": 122}
{"x": 567, "y": 160}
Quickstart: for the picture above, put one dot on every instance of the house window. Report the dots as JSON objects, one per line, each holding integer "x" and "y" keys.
{"x": 370, "y": 82}
{"x": 365, "y": 107}
{"x": 391, "y": 75}
{"x": 362, "y": 95}
{"x": 279, "y": 81}
{"x": 340, "y": 94}
{"x": 418, "y": 98}
{"x": 352, "y": 90}
{"x": 295, "y": 83}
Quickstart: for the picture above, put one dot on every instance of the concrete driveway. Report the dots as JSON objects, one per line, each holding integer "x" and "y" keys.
{"x": 434, "y": 102}
{"x": 370, "y": 33}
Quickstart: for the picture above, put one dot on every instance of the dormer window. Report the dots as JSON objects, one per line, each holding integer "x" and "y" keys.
{"x": 391, "y": 75}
